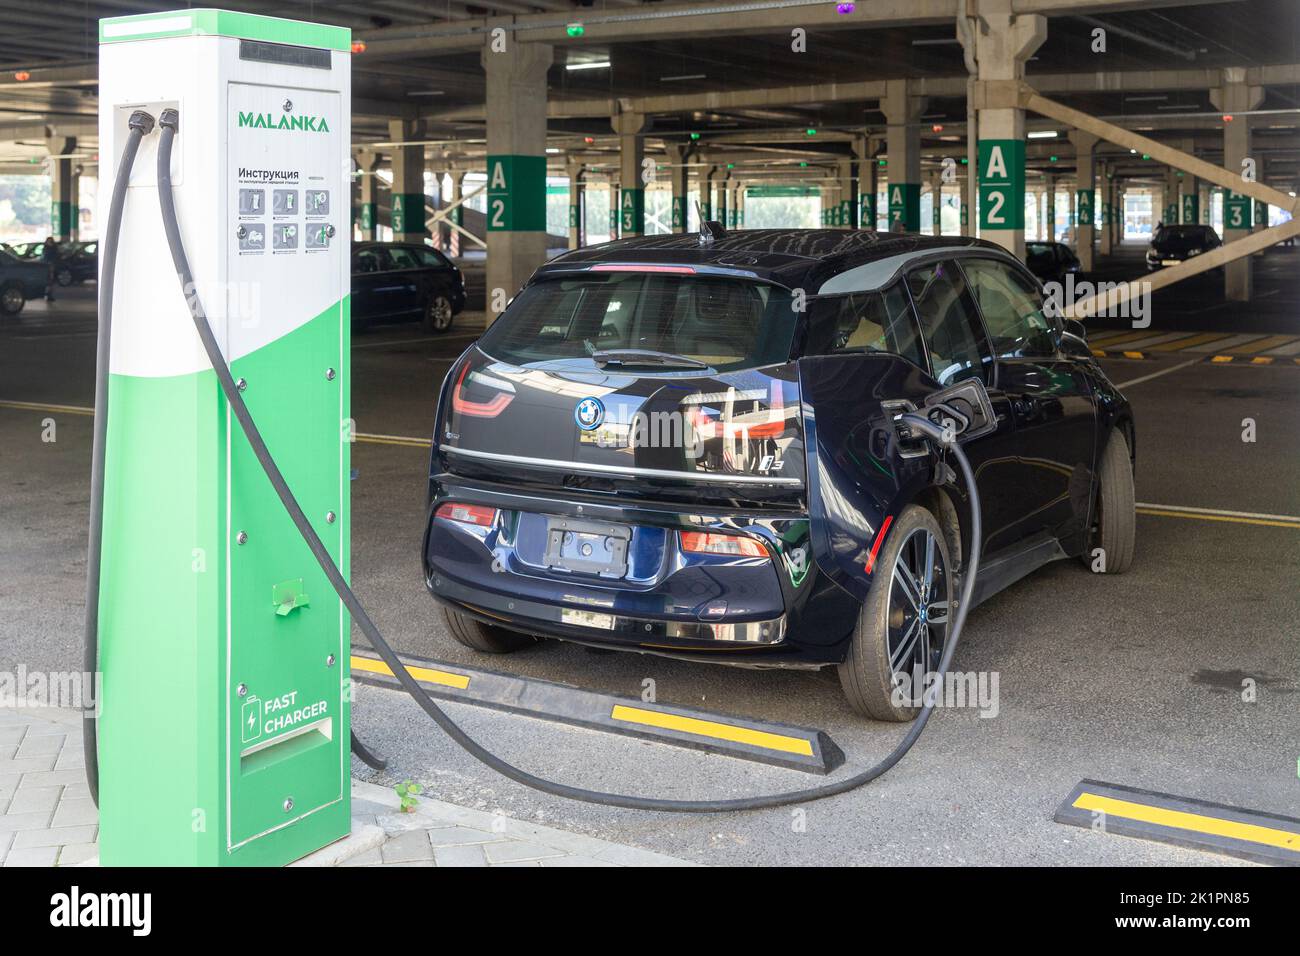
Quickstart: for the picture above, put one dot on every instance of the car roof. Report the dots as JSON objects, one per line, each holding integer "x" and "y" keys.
{"x": 795, "y": 258}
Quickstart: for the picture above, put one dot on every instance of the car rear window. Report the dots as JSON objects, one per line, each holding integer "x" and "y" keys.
{"x": 726, "y": 323}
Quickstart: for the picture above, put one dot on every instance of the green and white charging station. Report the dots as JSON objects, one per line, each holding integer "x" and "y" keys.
{"x": 224, "y": 724}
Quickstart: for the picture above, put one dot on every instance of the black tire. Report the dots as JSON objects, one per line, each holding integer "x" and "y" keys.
{"x": 438, "y": 313}
{"x": 1115, "y": 525}
{"x": 12, "y": 298}
{"x": 484, "y": 638}
{"x": 867, "y": 675}
{"x": 63, "y": 276}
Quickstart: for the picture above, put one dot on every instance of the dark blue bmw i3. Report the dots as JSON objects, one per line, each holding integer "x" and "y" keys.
{"x": 690, "y": 446}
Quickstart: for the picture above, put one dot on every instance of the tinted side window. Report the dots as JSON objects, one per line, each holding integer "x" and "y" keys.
{"x": 868, "y": 321}
{"x": 950, "y": 323}
{"x": 367, "y": 260}
{"x": 1012, "y": 309}
{"x": 403, "y": 258}
{"x": 432, "y": 258}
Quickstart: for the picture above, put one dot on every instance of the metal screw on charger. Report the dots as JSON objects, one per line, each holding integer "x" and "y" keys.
{"x": 329, "y": 661}
{"x": 241, "y": 384}
{"x": 241, "y": 232}
{"x": 288, "y": 804}
{"x": 288, "y": 105}
{"x": 329, "y": 517}
{"x": 329, "y": 231}
{"x": 329, "y": 375}
{"x": 241, "y": 537}
{"x": 242, "y": 690}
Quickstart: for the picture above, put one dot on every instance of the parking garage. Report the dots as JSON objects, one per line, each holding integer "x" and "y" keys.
{"x": 489, "y": 138}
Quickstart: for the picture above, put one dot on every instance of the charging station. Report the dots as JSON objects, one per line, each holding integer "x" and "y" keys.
{"x": 224, "y": 724}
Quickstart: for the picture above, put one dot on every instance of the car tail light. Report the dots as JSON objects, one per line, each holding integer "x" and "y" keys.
{"x": 707, "y": 542}
{"x": 477, "y": 409}
{"x": 467, "y": 514}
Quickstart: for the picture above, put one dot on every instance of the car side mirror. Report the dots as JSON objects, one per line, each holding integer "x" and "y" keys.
{"x": 1076, "y": 328}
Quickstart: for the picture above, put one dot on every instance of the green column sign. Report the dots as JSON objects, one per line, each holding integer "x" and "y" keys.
{"x": 62, "y": 217}
{"x": 1261, "y": 213}
{"x": 905, "y": 205}
{"x": 632, "y": 211}
{"x": 867, "y": 213}
{"x": 1190, "y": 212}
{"x": 846, "y": 213}
{"x": 1236, "y": 210}
{"x": 573, "y": 215}
{"x": 408, "y": 213}
{"x": 679, "y": 213}
{"x": 1083, "y": 207}
{"x": 516, "y": 193}
{"x": 1002, "y": 183}
{"x": 366, "y": 216}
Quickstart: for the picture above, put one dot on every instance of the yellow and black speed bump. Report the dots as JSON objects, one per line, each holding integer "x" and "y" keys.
{"x": 1273, "y": 360}
{"x": 798, "y": 748}
{"x": 1197, "y": 824}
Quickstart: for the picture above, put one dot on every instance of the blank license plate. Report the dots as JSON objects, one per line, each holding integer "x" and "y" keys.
{"x": 587, "y": 618}
{"x": 588, "y": 547}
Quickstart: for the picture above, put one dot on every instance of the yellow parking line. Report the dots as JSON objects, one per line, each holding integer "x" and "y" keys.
{"x": 1180, "y": 344}
{"x": 406, "y": 440}
{"x": 1232, "y": 519}
{"x": 1181, "y": 820}
{"x": 1272, "y": 342}
{"x": 425, "y": 674}
{"x": 38, "y": 407}
{"x": 711, "y": 728}
{"x": 1106, "y": 341}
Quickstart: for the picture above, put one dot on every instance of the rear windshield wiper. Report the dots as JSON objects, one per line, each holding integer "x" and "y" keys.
{"x": 645, "y": 357}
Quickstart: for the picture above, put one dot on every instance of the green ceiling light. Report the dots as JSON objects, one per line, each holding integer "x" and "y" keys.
{"x": 883, "y": 162}
{"x": 695, "y": 136}
{"x": 810, "y": 131}
{"x": 575, "y": 29}
{"x": 731, "y": 165}
{"x": 801, "y": 165}
{"x": 965, "y": 161}
{"x": 1146, "y": 155}
{"x": 1052, "y": 159}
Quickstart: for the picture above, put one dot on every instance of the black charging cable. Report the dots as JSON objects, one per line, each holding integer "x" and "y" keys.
{"x": 138, "y": 125}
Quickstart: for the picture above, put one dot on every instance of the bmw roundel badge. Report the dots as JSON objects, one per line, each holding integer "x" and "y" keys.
{"x": 589, "y": 413}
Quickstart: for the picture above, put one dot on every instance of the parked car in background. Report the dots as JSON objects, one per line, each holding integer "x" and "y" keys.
{"x": 1172, "y": 245}
{"x": 392, "y": 281}
{"x": 1052, "y": 261}
{"x": 78, "y": 261}
{"x": 20, "y": 279}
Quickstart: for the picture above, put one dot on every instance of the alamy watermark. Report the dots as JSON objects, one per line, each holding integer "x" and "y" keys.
{"x": 1124, "y": 300}
{"x": 79, "y": 690}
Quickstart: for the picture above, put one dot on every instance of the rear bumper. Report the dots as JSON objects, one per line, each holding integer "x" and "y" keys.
{"x": 732, "y": 609}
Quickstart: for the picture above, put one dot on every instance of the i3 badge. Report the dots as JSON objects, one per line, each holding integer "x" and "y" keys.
{"x": 589, "y": 413}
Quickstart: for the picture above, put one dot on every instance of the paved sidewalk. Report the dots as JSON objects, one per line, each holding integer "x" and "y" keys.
{"x": 48, "y": 819}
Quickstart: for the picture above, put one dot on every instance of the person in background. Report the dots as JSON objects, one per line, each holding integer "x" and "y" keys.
{"x": 50, "y": 256}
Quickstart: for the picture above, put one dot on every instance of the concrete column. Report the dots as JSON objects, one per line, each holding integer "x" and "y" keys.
{"x": 632, "y": 179}
{"x": 1049, "y": 214}
{"x": 1085, "y": 195}
{"x": 678, "y": 156}
{"x": 407, "y": 213}
{"x": 846, "y": 194}
{"x": 1107, "y": 211}
{"x": 936, "y": 202}
{"x": 740, "y": 204}
{"x": 1001, "y": 42}
{"x": 902, "y": 115}
{"x": 458, "y": 214}
{"x": 1173, "y": 200}
{"x": 577, "y": 192}
{"x": 516, "y": 166}
{"x": 65, "y": 213}
{"x": 707, "y": 212}
{"x": 1235, "y": 97}
{"x": 368, "y": 193}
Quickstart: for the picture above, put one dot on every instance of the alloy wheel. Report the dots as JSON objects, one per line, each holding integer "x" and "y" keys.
{"x": 920, "y": 603}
